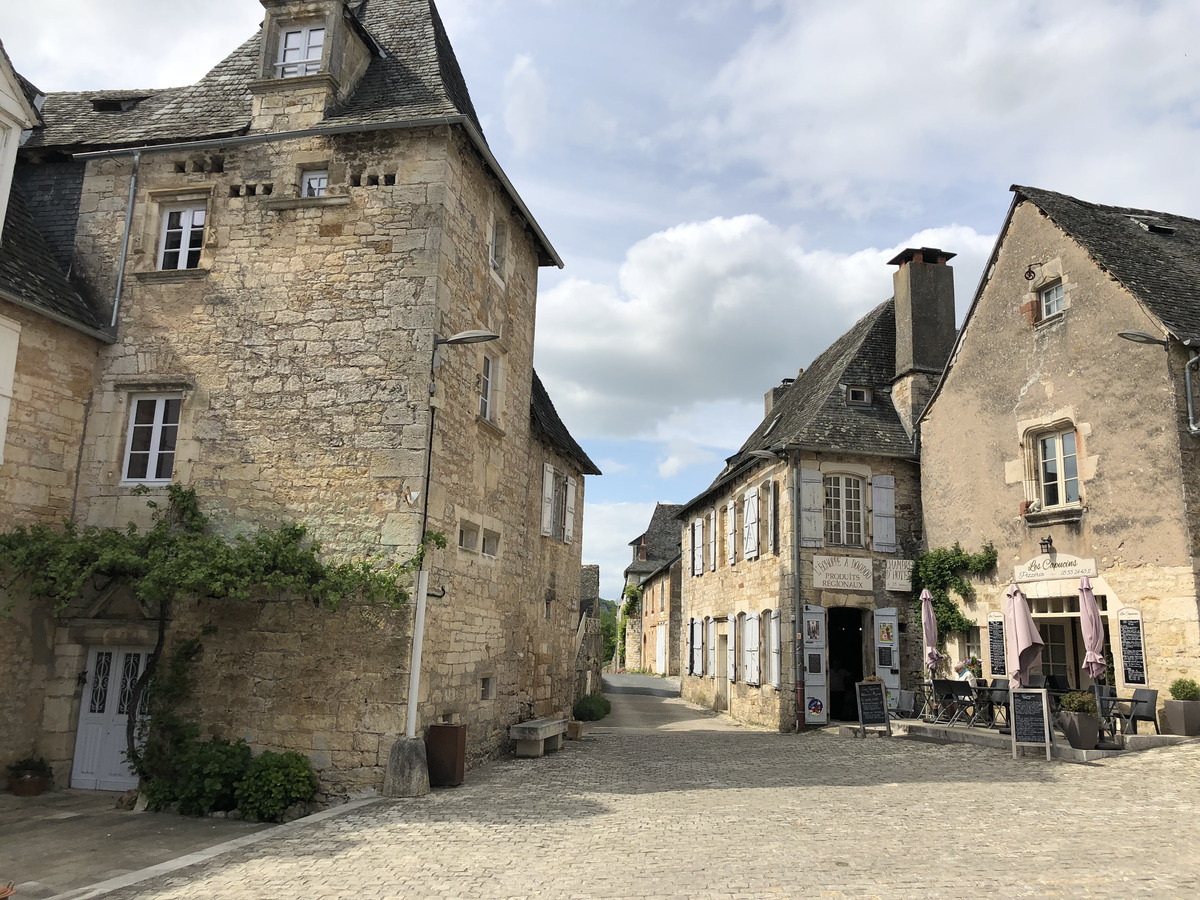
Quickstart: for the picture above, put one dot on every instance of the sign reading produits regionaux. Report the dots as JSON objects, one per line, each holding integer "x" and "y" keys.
{"x": 842, "y": 573}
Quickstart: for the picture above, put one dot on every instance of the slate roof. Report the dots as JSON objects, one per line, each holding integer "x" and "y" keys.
{"x": 30, "y": 275}
{"x": 1161, "y": 269}
{"x": 812, "y": 413}
{"x": 663, "y": 540}
{"x": 546, "y": 423}
{"x": 418, "y": 78}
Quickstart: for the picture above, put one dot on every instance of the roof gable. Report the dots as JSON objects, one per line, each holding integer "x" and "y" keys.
{"x": 545, "y": 423}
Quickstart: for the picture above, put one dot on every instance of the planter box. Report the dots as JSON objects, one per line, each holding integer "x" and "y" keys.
{"x": 28, "y": 785}
{"x": 1183, "y": 716}
{"x": 1082, "y": 730}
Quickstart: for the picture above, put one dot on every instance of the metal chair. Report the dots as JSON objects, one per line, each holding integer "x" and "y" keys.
{"x": 1107, "y": 709}
{"x": 906, "y": 704}
{"x": 1058, "y": 683}
{"x": 965, "y": 705}
{"x": 998, "y": 700}
{"x": 1143, "y": 708}
{"x": 1035, "y": 681}
{"x": 943, "y": 697}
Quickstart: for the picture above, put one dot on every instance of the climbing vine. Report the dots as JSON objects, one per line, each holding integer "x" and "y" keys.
{"x": 179, "y": 556}
{"x": 944, "y": 570}
{"x": 630, "y": 606}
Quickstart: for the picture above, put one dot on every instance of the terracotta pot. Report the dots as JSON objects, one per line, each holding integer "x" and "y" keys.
{"x": 1183, "y": 716}
{"x": 28, "y": 785}
{"x": 1082, "y": 730}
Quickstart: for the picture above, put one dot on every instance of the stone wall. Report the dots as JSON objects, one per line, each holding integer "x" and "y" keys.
{"x": 27, "y": 666}
{"x": 51, "y": 389}
{"x": 589, "y": 661}
{"x": 633, "y": 643}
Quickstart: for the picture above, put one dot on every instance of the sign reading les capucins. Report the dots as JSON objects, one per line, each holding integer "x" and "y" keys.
{"x": 1058, "y": 565}
{"x": 842, "y": 573}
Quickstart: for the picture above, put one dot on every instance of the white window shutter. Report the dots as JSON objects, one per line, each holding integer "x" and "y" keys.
{"x": 687, "y": 646}
{"x": 812, "y": 508}
{"x": 569, "y": 525}
{"x": 776, "y": 640}
{"x": 547, "y": 499}
{"x": 733, "y": 630}
{"x": 711, "y": 649}
{"x": 750, "y": 524}
{"x": 712, "y": 541}
{"x": 731, "y": 532}
{"x": 698, "y": 547}
{"x": 883, "y": 512}
{"x": 698, "y": 647}
{"x": 752, "y": 676}
{"x": 771, "y": 548}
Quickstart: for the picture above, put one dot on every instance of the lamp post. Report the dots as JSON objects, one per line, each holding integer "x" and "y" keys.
{"x": 408, "y": 769}
{"x": 1141, "y": 337}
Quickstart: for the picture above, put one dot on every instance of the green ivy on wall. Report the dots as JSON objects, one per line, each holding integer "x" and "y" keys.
{"x": 944, "y": 570}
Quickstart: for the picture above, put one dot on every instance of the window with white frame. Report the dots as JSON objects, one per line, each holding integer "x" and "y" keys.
{"x": 750, "y": 524}
{"x": 498, "y": 247}
{"x": 487, "y": 387}
{"x": 150, "y": 444}
{"x": 10, "y": 335}
{"x": 313, "y": 183}
{"x": 750, "y": 659}
{"x": 300, "y": 51}
{"x": 182, "y": 237}
{"x": 558, "y": 504}
{"x": 1050, "y": 300}
{"x": 1058, "y": 469}
{"x": 491, "y": 544}
{"x": 468, "y": 536}
{"x": 696, "y": 629}
{"x": 843, "y": 510}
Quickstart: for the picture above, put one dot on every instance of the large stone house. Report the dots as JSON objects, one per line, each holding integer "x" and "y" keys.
{"x": 653, "y": 552}
{"x": 661, "y": 619}
{"x": 279, "y": 248}
{"x": 797, "y": 557}
{"x": 1070, "y": 449}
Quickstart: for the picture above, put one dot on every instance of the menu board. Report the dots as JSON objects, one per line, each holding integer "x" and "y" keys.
{"x": 1133, "y": 652}
{"x": 1030, "y": 718}
{"x": 996, "y": 643}
{"x": 872, "y": 706}
{"x": 886, "y": 658}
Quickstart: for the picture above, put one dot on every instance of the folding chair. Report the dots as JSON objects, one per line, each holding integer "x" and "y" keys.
{"x": 906, "y": 704}
{"x": 943, "y": 696}
{"x": 998, "y": 700}
{"x": 1143, "y": 708}
{"x": 1107, "y": 709}
{"x": 1035, "y": 681}
{"x": 964, "y": 700}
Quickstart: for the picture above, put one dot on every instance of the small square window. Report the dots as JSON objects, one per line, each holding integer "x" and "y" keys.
{"x": 313, "y": 184}
{"x": 487, "y": 688}
{"x": 1051, "y": 300}
{"x": 491, "y": 544}
{"x": 858, "y": 396}
{"x": 150, "y": 444}
{"x": 468, "y": 536}
{"x": 300, "y": 51}
{"x": 182, "y": 237}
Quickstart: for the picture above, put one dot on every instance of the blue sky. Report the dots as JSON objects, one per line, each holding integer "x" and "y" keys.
{"x": 726, "y": 179}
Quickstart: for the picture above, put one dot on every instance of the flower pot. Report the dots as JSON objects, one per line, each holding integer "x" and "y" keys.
{"x": 1082, "y": 730}
{"x": 28, "y": 785}
{"x": 1183, "y": 716}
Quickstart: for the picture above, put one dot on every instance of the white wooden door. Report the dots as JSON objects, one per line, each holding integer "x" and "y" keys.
{"x": 660, "y": 651}
{"x": 816, "y": 685}
{"x": 887, "y": 651}
{"x": 103, "y": 712}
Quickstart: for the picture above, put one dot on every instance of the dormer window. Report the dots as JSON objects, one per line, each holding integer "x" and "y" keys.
{"x": 858, "y": 396}
{"x": 300, "y": 51}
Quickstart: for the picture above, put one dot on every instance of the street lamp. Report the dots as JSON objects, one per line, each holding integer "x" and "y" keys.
{"x": 1141, "y": 337}
{"x": 408, "y": 768}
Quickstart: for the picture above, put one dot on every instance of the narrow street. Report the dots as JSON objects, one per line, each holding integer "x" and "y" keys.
{"x": 662, "y": 801}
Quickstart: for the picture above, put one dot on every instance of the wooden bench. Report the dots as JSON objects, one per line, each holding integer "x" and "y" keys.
{"x": 537, "y": 736}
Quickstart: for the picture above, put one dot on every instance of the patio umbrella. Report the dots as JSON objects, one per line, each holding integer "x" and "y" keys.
{"x": 1023, "y": 642}
{"x": 929, "y": 625}
{"x": 1093, "y": 631}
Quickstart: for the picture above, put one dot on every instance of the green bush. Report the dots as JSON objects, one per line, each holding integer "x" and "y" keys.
{"x": 1185, "y": 689}
{"x": 209, "y": 774}
{"x": 1080, "y": 702}
{"x": 37, "y": 766}
{"x": 591, "y": 708}
{"x": 275, "y": 781}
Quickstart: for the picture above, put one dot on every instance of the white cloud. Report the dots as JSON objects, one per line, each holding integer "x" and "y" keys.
{"x": 608, "y": 529}
{"x": 704, "y": 319}
{"x": 862, "y": 105}
{"x": 525, "y": 106}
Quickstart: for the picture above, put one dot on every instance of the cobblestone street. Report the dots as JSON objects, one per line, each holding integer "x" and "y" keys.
{"x": 663, "y": 801}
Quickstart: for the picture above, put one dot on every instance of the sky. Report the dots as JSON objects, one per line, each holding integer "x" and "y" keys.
{"x": 727, "y": 179}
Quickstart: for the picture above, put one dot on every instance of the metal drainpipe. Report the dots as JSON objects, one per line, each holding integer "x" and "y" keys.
{"x": 1193, "y": 428}
{"x": 137, "y": 156}
{"x": 797, "y": 630}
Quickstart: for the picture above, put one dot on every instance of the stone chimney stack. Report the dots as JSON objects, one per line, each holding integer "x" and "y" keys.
{"x": 924, "y": 295}
{"x": 772, "y": 396}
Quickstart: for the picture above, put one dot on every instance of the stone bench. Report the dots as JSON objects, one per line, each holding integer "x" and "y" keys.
{"x": 537, "y": 736}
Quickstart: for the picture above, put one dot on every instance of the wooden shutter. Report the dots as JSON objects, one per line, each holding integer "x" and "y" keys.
{"x": 547, "y": 499}
{"x": 776, "y": 649}
{"x": 569, "y": 525}
{"x": 687, "y": 646}
{"x": 712, "y": 541}
{"x": 812, "y": 508}
{"x": 733, "y": 629}
{"x": 731, "y": 532}
{"x": 698, "y": 547}
{"x": 883, "y": 513}
{"x": 752, "y": 642}
{"x": 698, "y": 647}
{"x": 771, "y": 548}
{"x": 750, "y": 524}
{"x": 711, "y": 650}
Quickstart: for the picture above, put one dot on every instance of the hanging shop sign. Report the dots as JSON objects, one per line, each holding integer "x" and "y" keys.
{"x": 1056, "y": 565}
{"x": 842, "y": 573}
{"x": 897, "y": 574}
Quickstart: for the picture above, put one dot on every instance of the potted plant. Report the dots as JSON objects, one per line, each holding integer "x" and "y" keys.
{"x": 30, "y": 776}
{"x": 1182, "y": 712}
{"x": 1080, "y": 720}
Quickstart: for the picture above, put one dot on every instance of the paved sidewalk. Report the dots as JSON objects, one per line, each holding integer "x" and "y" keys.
{"x": 664, "y": 801}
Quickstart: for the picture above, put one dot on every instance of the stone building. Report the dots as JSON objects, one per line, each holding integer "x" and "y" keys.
{"x": 280, "y": 247}
{"x": 653, "y": 549}
{"x": 811, "y": 528}
{"x": 1048, "y": 432}
{"x": 661, "y": 619}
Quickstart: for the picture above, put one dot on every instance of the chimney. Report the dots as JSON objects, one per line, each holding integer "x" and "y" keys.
{"x": 924, "y": 298}
{"x": 772, "y": 396}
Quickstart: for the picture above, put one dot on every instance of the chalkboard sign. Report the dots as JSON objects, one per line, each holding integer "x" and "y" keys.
{"x": 996, "y": 643}
{"x": 872, "y": 706}
{"x": 1133, "y": 655}
{"x": 1030, "y": 718}
{"x": 885, "y": 658}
